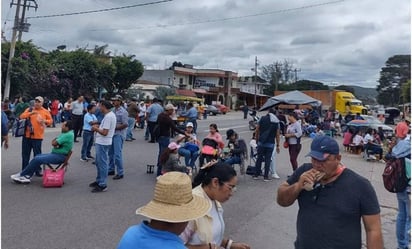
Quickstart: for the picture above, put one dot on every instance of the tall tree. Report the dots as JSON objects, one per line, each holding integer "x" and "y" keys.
{"x": 31, "y": 73}
{"x": 128, "y": 71}
{"x": 397, "y": 71}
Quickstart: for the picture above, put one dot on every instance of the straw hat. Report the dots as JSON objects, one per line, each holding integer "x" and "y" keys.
{"x": 173, "y": 200}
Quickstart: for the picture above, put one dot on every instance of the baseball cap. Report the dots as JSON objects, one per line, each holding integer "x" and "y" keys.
{"x": 230, "y": 133}
{"x": 169, "y": 107}
{"x": 189, "y": 124}
{"x": 117, "y": 97}
{"x": 322, "y": 147}
{"x": 39, "y": 98}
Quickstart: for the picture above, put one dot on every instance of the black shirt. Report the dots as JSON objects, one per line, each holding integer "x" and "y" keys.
{"x": 166, "y": 124}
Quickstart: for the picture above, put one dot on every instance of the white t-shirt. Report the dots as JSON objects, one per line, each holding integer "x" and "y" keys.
{"x": 357, "y": 140}
{"x": 109, "y": 123}
{"x": 368, "y": 137}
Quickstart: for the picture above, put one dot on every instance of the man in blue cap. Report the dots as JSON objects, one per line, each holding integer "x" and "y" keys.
{"x": 332, "y": 199}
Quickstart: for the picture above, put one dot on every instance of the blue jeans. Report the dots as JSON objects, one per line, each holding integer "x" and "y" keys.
{"x": 37, "y": 161}
{"x": 273, "y": 162}
{"x": 163, "y": 143}
{"x": 131, "y": 122}
{"x": 190, "y": 157}
{"x": 235, "y": 159}
{"x": 263, "y": 154}
{"x": 403, "y": 221}
{"x": 87, "y": 144}
{"x": 115, "y": 154}
{"x": 102, "y": 164}
{"x": 27, "y": 145}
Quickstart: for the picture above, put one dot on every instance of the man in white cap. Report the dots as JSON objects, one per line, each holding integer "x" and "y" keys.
{"x": 37, "y": 119}
{"x": 190, "y": 146}
{"x": 172, "y": 207}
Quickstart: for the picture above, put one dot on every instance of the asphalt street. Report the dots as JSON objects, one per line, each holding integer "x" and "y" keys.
{"x": 72, "y": 217}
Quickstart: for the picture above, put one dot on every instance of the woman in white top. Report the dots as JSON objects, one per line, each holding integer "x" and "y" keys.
{"x": 293, "y": 135}
{"x": 216, "y": 182}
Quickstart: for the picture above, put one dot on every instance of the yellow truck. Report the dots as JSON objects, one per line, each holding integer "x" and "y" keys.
{"x": 336, "y": 100}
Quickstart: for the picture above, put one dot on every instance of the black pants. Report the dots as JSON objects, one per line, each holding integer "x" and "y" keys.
{"x": 151, "y": 126}
{"x": 77, "y": 124}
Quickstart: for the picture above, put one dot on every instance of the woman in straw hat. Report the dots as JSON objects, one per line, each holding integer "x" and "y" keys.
{"x": 172, "y": 207}
{"x": 215, "y": 182}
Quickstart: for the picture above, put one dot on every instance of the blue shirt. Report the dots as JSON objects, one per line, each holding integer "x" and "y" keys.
{"x": 402, "y": 148}
{"x": 4, "y": 124}
{"x": 144, "y": 237}
{"x": 153, "y": 111}
{"x": 191, "y": 114}
{"x": 88, "y": 117}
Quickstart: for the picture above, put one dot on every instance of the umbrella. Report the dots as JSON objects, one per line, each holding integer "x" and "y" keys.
{"x": 359, "y": 123}
{"x": 290, "y": 98}
{"x": 392, "y": 111}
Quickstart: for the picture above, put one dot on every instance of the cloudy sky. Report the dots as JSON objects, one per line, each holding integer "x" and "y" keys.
{"x": 332, "y": 41}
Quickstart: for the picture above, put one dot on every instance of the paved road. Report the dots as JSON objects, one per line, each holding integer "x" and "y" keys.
{"x": 73, "y": 217}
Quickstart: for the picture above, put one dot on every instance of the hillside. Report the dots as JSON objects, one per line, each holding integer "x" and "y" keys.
{"x": 367, "y": 95}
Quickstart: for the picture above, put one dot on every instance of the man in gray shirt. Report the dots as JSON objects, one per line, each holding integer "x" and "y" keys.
{"x": 115, "y": 151}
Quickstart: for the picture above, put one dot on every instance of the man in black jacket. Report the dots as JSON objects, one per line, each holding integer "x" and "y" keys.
{"x": 165, "y": 126}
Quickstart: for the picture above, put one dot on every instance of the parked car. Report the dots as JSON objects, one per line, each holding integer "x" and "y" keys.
{"x": 212, "y": 110}
{"x": 222, "y": 108}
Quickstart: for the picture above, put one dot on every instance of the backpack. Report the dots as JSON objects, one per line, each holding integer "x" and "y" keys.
{"x": 394, "y": 175}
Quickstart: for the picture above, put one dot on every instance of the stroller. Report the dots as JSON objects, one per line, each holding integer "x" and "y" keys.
{"x": 208, "y": 152}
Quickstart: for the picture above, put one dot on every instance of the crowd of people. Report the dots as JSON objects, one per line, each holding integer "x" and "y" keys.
{"x": 189, "y": 214}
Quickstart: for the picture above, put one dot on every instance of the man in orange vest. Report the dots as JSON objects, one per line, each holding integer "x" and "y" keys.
{"x": 38, "y": 118}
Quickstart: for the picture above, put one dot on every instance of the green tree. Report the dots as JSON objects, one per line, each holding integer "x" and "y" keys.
{"x": 406, "y": 92}
{"x": 31, "y": 73}
{"x": 397, "y": 71}
{"x": 128, "y": 70}
{"x": 162, "y": 92}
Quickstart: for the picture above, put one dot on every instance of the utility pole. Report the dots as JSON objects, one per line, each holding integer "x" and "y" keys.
{"x": 256, "y": 64}
{"x": 296, "y": 74}
{"x": 19, "y": 25}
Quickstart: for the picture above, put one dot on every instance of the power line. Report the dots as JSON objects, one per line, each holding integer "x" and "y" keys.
{"x": 225, "y": 19}
{"x": 100, "y": 10}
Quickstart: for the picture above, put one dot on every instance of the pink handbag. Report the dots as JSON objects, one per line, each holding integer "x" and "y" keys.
{"x": 53, "y": 177}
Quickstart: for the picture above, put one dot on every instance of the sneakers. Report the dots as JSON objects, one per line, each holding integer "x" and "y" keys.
{"x": 83, "y": 160}
{"x": 255, "y": 177}
{"x": 93, "y": 184}
{"x": 267, "y": 179}
{"x": 20, "y": 179}
{"x": 99, "y": 189}
{"x": 276, "y": 176}
{"x": 118, "y": 177}
{"x": 89, "y": 157}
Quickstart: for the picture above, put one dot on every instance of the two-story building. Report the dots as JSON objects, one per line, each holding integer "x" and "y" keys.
{"x": 213, "y": 85}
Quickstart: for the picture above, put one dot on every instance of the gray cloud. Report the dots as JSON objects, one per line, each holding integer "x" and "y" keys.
{"x": 345, "y": 42}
